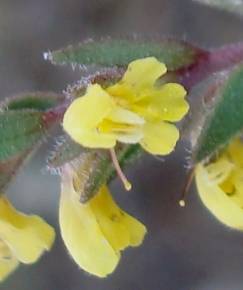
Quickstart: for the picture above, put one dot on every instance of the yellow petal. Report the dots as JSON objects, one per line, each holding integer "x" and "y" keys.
{"x": 96, "y": 139}
{"x": 124, "y": 125}
{"x": 227, "y": 185}
{"x": 220, "y": 170}
{"x": 84, "y": 115}
{"x": 237, "y": 194}
{"x": 168, "y": 103}
{"x": 137, "y": 230}
{"x": 131, "y": 137}
{"x": 88, "y": 111}
{"x": 8, "y": 263}
{"x": 26, "y": 236}
{"x": 120, "y": 229}
{"x": 236, "y": 151}
{"x": 159, "y": 138}
{"x": 83, "y": 237}
{"x": 217, "y": 201}
{"x": 139, "y": 78}
{"x": 125, "y": 133}
{"x": 120, "y": 115}
{"x": 143, "y": 73}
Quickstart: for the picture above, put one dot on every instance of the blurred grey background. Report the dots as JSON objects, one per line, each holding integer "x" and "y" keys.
{"x": 186, "y": 248}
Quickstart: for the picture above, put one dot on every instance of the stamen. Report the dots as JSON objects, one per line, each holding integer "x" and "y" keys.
{"x": 182, "y": 201}
{"x": 119, "y": 171}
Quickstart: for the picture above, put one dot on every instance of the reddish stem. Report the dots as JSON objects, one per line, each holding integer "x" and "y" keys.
{"x": 210, "y": 62}
{"x": 56, "y": 114}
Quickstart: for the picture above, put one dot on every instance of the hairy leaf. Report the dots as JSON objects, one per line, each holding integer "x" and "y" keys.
{"x": 103, "y": 169}
{"x": 19, "y": 131}
{"x": 25, "y": 121}
{"x": 234, "y": 6}
{"x": 9, "y": 168}
{"x": 94, "y": 167}
{"x": 226, "y": 119}
{"x": 65, "y": 150}
{"x": 33, "y": 100}
{"x": 109, "y": 53}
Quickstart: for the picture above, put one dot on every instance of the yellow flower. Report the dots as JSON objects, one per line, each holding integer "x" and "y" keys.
{"x": 23, "y": 238}
{"x": 220, "y": 185}
{"x": 95, "y": 232}
{"x": 135, "y": 110}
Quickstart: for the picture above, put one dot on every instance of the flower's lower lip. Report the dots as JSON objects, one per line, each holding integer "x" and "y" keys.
{"x": 5, "y": 252}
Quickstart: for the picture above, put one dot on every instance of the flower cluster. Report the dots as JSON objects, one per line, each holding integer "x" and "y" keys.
{"x": 138, "y": 109}
{"x": 220, "y": 185}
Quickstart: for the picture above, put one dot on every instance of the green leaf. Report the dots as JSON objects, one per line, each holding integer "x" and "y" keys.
{"x": 65, "y": 151}
{"x": 94, "y": 167}
{"x": 225, "y": 120}
{"x": 9, "y": 168}
{"x": 233, "y": 6}
{"x": 33, "y": 100}
{"x": 109, "y": 53}
{"x": 105, "y": 78}
{"x": 19, "y": 131}
{"x": 103, "y": 170}
{"x": 25, "y": 121}
{"x": 203, "y": 98}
